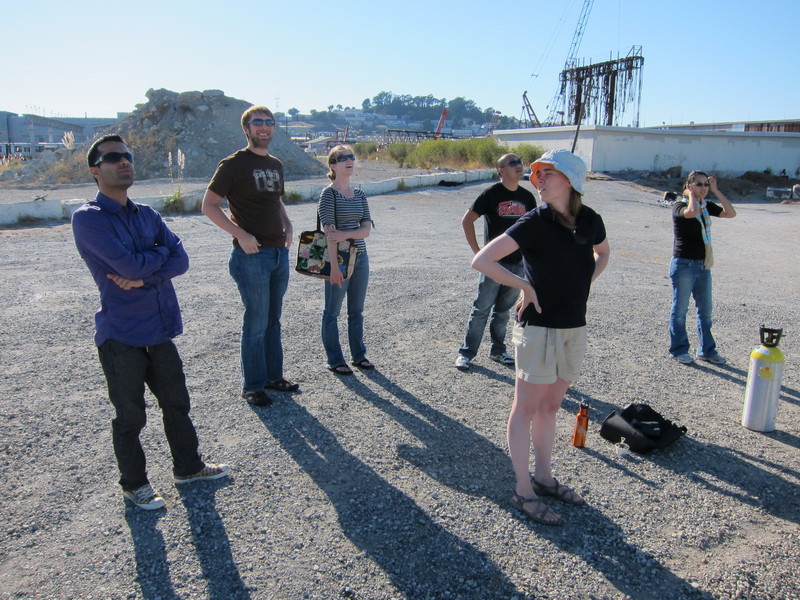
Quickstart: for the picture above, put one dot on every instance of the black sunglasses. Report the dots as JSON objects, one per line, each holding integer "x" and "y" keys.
{"x": 261, "y": 122}
{"x": 345, "y": 157}
{"x": 514, "y": 163}
{"x": 114, "y": 157}
{"x": 702, "y": 184}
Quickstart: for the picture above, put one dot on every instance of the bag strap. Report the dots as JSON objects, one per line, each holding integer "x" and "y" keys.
{"x": 335, "y": 218}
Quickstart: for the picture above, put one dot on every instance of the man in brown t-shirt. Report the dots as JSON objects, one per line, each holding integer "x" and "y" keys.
{"x": 252, "y": 181}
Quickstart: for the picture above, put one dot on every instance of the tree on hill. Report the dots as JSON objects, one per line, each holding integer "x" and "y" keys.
{"x": 428, "y": 107}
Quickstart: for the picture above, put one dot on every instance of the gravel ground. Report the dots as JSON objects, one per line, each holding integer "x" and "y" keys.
{"x": 395, "y": 483}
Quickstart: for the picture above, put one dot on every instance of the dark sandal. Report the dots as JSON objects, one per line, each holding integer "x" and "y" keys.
{"x": 538, "y": 513}
{"x": 558, "y": 491}
{"x": 364, "y": 364}
{"x": 341, "y": 370}
{"x": 283, "y": 385}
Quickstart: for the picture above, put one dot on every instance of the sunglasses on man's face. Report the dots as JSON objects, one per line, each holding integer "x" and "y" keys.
{"x": 698, "y": 184}
{"x": 514, "y": 163}
{"x": 114, "y": 157}
{"x": 345, "y": 157}
{"x": 262, "y": 122}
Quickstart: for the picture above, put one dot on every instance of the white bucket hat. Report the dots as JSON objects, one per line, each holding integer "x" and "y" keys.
{"x": 567, "y": 163}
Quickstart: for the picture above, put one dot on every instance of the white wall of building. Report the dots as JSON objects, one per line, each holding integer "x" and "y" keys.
{"x": 728, "y": 153}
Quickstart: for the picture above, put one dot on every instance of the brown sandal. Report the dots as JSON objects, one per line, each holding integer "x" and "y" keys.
{"x": 539, "y": 513}
{"x": 558, "y": 491}
{"x": 341, "y": 370}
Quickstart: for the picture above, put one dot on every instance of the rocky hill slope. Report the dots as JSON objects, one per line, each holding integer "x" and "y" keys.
{"x": 204, "y": 126}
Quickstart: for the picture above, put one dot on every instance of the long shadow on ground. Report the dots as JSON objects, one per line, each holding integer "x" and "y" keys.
{"x": 746, "y": 475}
{"x": 422, "y": 559}
{"x": 152, "y": 568}
{"x": 211, "y": 540}
{"x": 450, "y": 448}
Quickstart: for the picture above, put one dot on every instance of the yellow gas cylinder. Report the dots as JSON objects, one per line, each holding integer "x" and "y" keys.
{"x": 764, "y": 382}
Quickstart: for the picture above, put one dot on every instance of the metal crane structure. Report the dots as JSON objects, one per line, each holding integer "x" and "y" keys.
{"x": 440, "y": 126}
{"x": 572, "y": 57}
{"x": 528, "y": 117}
{"x": 601, "y": 92}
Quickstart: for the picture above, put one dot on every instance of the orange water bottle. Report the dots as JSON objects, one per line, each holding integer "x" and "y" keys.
{"x": 581, "y": 425}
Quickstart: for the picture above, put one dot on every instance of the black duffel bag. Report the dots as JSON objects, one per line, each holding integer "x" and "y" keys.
{"x": 642, "y": 427}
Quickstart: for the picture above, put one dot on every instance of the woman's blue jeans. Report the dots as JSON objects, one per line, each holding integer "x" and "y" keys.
{"x": 690, "y": 278}
{"x": 262, "y": 279}
{"x": 355, "y": 288}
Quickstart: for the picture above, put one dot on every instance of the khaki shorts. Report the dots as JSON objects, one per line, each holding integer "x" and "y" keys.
{"x": 543, "y": 354}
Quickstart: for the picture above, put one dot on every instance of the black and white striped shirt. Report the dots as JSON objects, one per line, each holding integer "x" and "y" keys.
{"x": 350, "y": 213}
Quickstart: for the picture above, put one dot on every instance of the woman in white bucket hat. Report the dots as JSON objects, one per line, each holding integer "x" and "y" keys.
{"x": 565, "y": 249}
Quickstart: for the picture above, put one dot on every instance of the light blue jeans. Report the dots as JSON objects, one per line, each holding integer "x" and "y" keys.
{"x": 262, "y": 279}
{"x": 355, "y": 288}
{"x": 492, "y": 299}
{"x": 690, "y": 278}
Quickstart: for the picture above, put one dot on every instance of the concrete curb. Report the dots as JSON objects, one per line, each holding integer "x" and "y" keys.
{"x": 41, "y": 210}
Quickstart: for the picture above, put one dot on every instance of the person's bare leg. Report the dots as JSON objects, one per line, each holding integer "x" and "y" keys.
{"x": 527, "y": 398}
{"x": 533, "y": 414}
{"x": 543, "y": 428}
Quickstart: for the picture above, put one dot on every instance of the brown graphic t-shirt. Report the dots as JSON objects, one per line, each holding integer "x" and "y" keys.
{"x": 253, "y": 185}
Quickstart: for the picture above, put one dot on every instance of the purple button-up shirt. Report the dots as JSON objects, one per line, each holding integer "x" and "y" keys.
{"x": 133, "y": 242}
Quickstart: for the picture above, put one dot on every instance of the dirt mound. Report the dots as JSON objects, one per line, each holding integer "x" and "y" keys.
{"x": 204, "y": 126}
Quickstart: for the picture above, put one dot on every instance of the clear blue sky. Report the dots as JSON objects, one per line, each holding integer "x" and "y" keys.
{"x": 705, "y": 60}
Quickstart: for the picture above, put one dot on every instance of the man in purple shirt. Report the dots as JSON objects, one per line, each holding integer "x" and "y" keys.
{"x": 133, "y": 257}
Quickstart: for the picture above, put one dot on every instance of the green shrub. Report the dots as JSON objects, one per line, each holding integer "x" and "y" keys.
{"x": 365, "y": 150}
{"x": 292, "y": 197}
{"x": 173, "y": 204}
{"x": 470, "y": 153}
{"x": 528, "y": 152}
{"x": 398, "y": 151}
{"x": 456, "y": 154}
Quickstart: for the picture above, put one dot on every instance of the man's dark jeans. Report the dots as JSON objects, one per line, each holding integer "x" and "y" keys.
{"x": 127, "y": 369}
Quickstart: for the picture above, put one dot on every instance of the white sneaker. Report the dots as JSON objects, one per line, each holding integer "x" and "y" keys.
{"x": 503, "y": 358}
{"x": 145, "y": 497}
{"x": 715, "y": 359}
{"x": 210, "y": 471}
{"x": 684, "y": 359}
{"x": 462, "y": 363}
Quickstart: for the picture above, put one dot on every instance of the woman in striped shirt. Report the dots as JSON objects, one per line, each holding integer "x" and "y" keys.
{"x": 344, "y": 215}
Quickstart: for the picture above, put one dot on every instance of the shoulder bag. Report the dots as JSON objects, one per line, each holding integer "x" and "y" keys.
{"x": 312, "y": 253}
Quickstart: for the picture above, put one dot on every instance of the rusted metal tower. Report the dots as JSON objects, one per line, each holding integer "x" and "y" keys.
{"x": 602, "y": 92}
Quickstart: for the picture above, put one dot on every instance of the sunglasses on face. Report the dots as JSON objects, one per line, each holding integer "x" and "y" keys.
{"x": 514, "y": 163}
{"x": 114, "y": 157}
{"x": 701, "y": 184}
{"x": 262, "y": 122}
{"x": 345, "y": 157}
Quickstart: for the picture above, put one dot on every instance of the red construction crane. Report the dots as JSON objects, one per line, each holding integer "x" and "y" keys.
{"x": 441, "y": 123}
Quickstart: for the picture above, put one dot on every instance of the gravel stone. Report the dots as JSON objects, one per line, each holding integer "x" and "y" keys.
{"x": 396, "y": 483}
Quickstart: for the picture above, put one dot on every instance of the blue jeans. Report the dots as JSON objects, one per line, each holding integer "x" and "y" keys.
{"x": 495, "y": 299}
{"x": 127, "y": 370}
{"x": 690, "y": 278}
{"x": 262, "y": 279}
{"x": 355, "y": 288}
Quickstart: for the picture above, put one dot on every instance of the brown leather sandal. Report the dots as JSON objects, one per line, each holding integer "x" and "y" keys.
{"x": 539, "y": 512}
{"x": 558, "y": 491}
